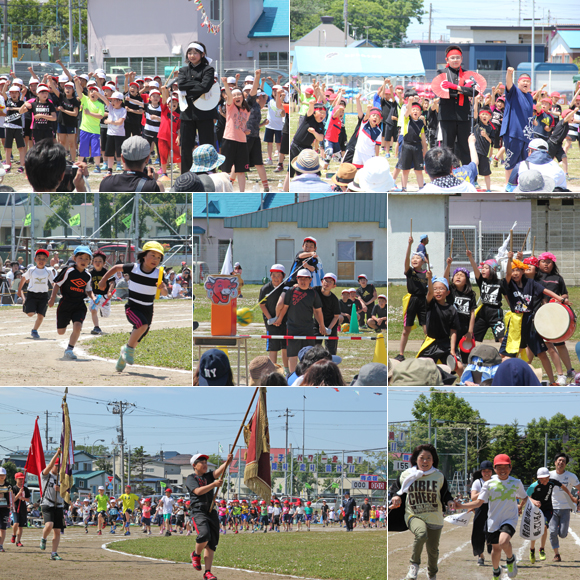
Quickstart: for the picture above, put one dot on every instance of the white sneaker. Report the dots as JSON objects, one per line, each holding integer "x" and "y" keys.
{"x": 413, "y": 571}
{"x": 562, "y": 380}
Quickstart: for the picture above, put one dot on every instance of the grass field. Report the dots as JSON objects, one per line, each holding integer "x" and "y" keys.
{"x": 354, "y": 353}
{"x": 166, "y": 347}
{"x": 326, "y": 555}
{"x": 497, "y": 176}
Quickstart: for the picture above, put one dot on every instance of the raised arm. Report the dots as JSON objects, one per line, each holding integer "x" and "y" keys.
{"x": 229, "y": 98}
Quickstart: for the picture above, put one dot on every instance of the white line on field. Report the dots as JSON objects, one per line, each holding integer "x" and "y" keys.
{"x": 574, "y": 535}
{"x": 453, "y": 529}
{"x": 519, "y": 556}
{"x": 105, "y": 547}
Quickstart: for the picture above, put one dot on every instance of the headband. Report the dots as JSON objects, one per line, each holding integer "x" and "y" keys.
{"x": 199, "y": 48}
{"x": 520, "y": 265}
{"x": 454, "y": 52}
{"x": 547, "y": 256}
{"x": 524, "y": 75}
{"x": 464, "y": 270}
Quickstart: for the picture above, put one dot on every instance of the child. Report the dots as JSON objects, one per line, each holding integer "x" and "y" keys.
{"x": 286, "y": 516}
{"x": 414, "y": 304}
{"x": 332, "y": 135}
{"x": 36, "y": 299}
{"x": 253, "y": 515}
{"x": 275, "y": 122}
{"x": 557, "y": 137}
{"x": 90, "y": 130}
{"x": 369, "y": 139}
{"x": 525, "y": 297}
{"x": 263, "y": 516}
{"x": 412, "y": 152}
{"x": 168, "y": 504}
{"x": 187, "y": 519}
{"x": 143, "y": 285}
{"x": 497, "y": 111}
{"x": 345, "y": 307}
{"x": 146, "y": 516}
{"x": 14, "y": 125}
{"x": 74, "y": 282}
{"x": 308, "y": 514}
{"x": 128, "y": 501}
{"x": 223, "y": 516}
{"x": 102, "y": 504}
{"x": 86, "y": 514}
{"x": 483, "y": 135}
{"x": 330, "y": 310}
{"x": 464, "y": 300}
{"x": 299, "y": 514}
{"x": 113, "y": 515}
{"x": 311, "y": 129}
{"x": 152, "y": 118}
{"x": 97, "y": 272}
{"x": 361, "y": 118}
{"x": 501, "y": 494}
{"x": 307, "y": 258}
{"x": 115, "y": 122}
{"x": 44, "y": 113}
{"x": 368, "y": 294}
{"x": 68, "y": 114}
{"x": 378, "y": 319}
{"x": 52, "y": 505}
{"x": 134, "y": 105}
{"x": 544, "y": 121}
{"x": 168, "y": 131}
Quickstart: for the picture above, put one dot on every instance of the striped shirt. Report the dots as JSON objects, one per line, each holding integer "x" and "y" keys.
{"x": 151, "y": 125}
{"x": 134, "y": 104}
{"x": 142, "y": 285}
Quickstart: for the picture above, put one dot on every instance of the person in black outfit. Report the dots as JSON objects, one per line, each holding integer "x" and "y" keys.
{"x": 348, "y": 504}
{"x": 454, "y": 111}
{"x": 330, "y": 310}
{"x": 200, "y": 485}
{"x": 479, "y": 530}
{"x": 196, "y": 78}
{"x": 20, "y": 515}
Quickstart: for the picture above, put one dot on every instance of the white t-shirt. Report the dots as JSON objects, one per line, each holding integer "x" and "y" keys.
{"x": 560, "y": 499}
{"x": 275, "y": 116}
{"x": 276, "y": 511}
{"x": 271, "y": 509}
{"x": 299, "y": 511}
{"x": 501, "y": 499}
{"x": 116, "y": 115}
{"x": 168, "y": 503}
{"x": 368, "y": 138}
{"x": 38, "y": 278}
{"x": 176, "y": 289}
{"x": 2, "y": 107}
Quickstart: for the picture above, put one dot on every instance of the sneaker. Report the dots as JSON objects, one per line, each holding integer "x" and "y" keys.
{"x": 562, "y": 380}
{"x": 433, "y": 577}
{"x": 533, "y": 556}
{"x": 19, "y": 544}
{"x": 400, "y": 358}
{"x": 542, "y": 554}
{"x": 144, "y": 531}
{"x": 128, "y": 354}
{"x": 97, "y": 169}
{"x": 20, "y": 169}
{"x": 148, "y": 533}
{"x": 99, "y": 533}
{"x": 480, "y": 562}
{"x": 557, "y": 558}
{"x": 571, "y": 374}
{"x": 127, "y": 533}
{"x": 119, "y": 167}
{"x": 413, "y": 571}
{"x": 13, "y": 540}
{"x": 268, "y": 162}
{"x": 34, "y": 334}
{"x": 121, "y": 362}
{"x": 2, "y": 549}
{"x": 96, "y": 330}
{"x": 495, "y": 161}
{"x": 279, "y": 168}
{"x": 167, "y": 534}
{"x": 69, "y": 354}
{"x": 196, "y": 561}
{"x": 55, "y": 556}
{"x": 209, "y": 576}
{"x": 512, "y": 568}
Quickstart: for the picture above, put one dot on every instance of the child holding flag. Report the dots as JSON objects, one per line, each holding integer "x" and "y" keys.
{"x": 52, "y": 506}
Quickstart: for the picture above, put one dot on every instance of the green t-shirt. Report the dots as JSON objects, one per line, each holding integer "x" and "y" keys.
{"x": 102, "y": 502}
{"x": 263, "y": 510}
{"x": 305, "y": 101}
{"x": 91, "y": 124}
{"x": 237, "y": 510}
{"x": 308, "y": 511}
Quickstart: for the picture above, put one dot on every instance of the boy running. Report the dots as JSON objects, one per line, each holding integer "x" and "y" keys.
{"x": 5, "y": 506}
{"x": 102, "y": 504}
{"x": 97, "y": 272}
{"x": 113, "y": 515}
{"x": 128, "y": 501}
{"x": 168, "y": 504}
{"x": 21, "y": 496}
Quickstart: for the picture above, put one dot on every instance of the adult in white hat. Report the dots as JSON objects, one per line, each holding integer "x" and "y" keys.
{"x": 375, "y": 177}
{"x": 308, "y": 180}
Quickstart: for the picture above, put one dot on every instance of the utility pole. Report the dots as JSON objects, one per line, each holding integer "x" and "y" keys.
{"x": 430, "y": 16}
{"x": 286, "y": 414}
{"x": 345, "y": 14}
{"x": 46, "y": 430}
{"x": 120, "y": 408}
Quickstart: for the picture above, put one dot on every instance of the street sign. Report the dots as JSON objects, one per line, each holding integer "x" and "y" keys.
{"x": 401, "y": 465}
{"x": 14, "y": 49}
{"x": 110, "y": 486}
{"x": 110, "y": 478}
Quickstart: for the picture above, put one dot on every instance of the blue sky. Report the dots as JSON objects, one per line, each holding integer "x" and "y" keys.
{"x": 191, "y": 420}
{"x": 497, "y": 405}
{"x": 493, "y": 12}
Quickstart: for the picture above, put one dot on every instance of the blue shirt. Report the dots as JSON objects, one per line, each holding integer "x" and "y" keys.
{"x": 519, "y": 115}
{"x": 466, "y": 172}
{"x": 309, "y": 183}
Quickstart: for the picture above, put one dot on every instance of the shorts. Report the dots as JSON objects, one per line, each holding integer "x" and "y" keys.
{"x": 271, "y": 134}
{"x": 493, "y": 537}
{"x": 438, "y": 350}
{"x": 285, "y": 145}
{"x": 296, "y": 345}
{"x": 133, "y": 129}
{"x": 67, "y": 313}
{"x": 54, "y": 516}
{"x": 497, "y": 141}
{"x": 65, "y": 129}
{"x": 573, "y": 137}
{"x": 516, "y": 150}
{"x": 276, "y": 520}
{"x": 223, "y": 520}
{"x": 112, "y": 518}
{"x": 308, "y": 517}
{"x": 2, "y": 132}
{"x": 391, "y": 132}
{"x": 166, "y": 517}
{"x": 417, "y": 307}
{"x": 138, "y": 316}
{"x": 89, "y": 144}
{"x": 255, "y": 151}
{"x": 179, "y": 520}
{"x": 5, "y": 519}
{"x": 207, "y": 528}
{"x": 103, "y": 514}
{"x": 483, "y": 167}
{"x": 330, "y": 148}
{"x": 20, "y": 518}
{"x": 489, "y": 316}
{"x": 275, "y": 344}
{"x": 151, "y": 137}
{"x": 237, "y": 156}
{"x": 146, "y": 521}
{"x": 40, "y": 134}
{"x": 113, "y": 146}
{"x": 14, "y": 135}
{"x": 410, "y": 157}
{"x": 555, "y": 150}
{"x": 529, "y": 337}
{"x": 128, "y": 511}
{"x": 264, "y": 520}
{"x": 36, "y": 303}
{"x": 28, "y": 131}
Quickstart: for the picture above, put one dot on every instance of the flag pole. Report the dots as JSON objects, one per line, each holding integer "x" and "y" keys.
{"x": 235, "y": 443}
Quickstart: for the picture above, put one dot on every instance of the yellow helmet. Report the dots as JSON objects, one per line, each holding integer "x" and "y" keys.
{"x": 155, "y": 246}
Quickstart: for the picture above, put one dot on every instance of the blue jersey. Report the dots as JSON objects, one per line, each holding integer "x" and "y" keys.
{"x": 518, "y": 118}
{"x": 466, "y": 172}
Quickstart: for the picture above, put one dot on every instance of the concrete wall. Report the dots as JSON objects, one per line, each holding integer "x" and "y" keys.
{"x": 490, "y": 208}
{"x": 507, "y": 35}
{"x": 430, "y": 214}
{"x": 259, "y": 245}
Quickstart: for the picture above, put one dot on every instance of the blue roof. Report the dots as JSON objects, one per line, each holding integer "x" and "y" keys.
{"x": 570, "y": 37}
{"x": 223, "y": 205}
{"x": 274, "y": 20}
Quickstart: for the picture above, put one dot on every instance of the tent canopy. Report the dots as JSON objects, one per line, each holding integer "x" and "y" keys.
{"x": 359, "y": 62}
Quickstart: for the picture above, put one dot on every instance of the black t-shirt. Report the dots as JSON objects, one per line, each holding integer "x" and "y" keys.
{"x": 272, "y": 300}
{"x": 351, "y": 145}
{"x": 543, "y": 494}
{"x": 13, "y": 116}
{"x": 298, "y": 261}
{"x": 5, "y": 489}
{"x": 526, "y": 298}
{"x": 346, "y": 307}
{"x": 441, "y": 320}
{"x": 97, "y": 276}
{"x": 379, "y": 312}
{"x": 560, "y": 132}
{"x": 416, "y": 282}
{"x": 330, "y": 306}
{"x": 387, "y": 107}
{"x": 464, "y": 302}
{"x": 490, "y": 293}
{"x": 68, "y": 105}
{"x": 303, "y": 138}
{"x": 73, "y": 284}
{"x": 450, "y": 109}
{"x": 200, "y": 503}
{"x": 20, "y": 505}
{"x": 482, "y": 145}
{"x": 413, "y": 135}
{"x": 301, "y": 310}
{"x": 46, "y": 108}
{"x": 366, "y": 293}
{"x": 128, "y": 181}
{"x": 366, "y": 510}
{"x": 432, "y": 120}
{"x": 324, "y": 509}
{"x": 553, "y": 282}
{"x": 133, "y": 118}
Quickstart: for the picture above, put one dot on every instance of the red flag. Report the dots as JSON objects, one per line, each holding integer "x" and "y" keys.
{"x": 35, "y": 462}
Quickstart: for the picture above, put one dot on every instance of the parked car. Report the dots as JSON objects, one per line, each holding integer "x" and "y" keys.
{"x": 40, "y": 68}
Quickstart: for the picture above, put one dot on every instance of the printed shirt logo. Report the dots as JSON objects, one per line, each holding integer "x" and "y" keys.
{"x": 505, "y": 493}
{"x": 79, "y": 283}
{"x": 297, "y": 297}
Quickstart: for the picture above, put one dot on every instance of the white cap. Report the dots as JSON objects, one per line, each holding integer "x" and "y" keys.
{"x": 249, "y": 79}
{"x": 14, "y": 88}
{"x": 278, "y": 268}
{"x": 100, "y": 70}
{"x": 310, "y": 239}
{"x": 85, "y": 77}
{"x": 108, "y": 88}
{"x": 32, "y": 81}
{"x": 42, "y": 87}
{"x": 91, "y": 83}
{"x": 276, "y": 87}
{"x": 18, "y": 81}
{"x": 197, "y": 457}
{"x": 101, "y": 487}
{"x": 361, "y": 276}
{"x": 154, "y": 84}
{"x": 231, "y": 80}
{"x": 539, "y": 144}
{"x": 69, "y": 84}
{"x": 304, "y": 273}
{"x": 117, "y": 95}
{"x": 2, "y": 471}
{"x": 101, "y": 75}
{"x": 87, "y": 500}
{"x": 248, "y": 87}
{"x": 62, "y": 79}
{"x": 237, "y": 265}
{"x": 331, "y": 275}
{"x": 154, "y": 92}
{"x": 382, "y": 296}
{"x": 543, "y": 472}
{"x": 352, "y": 289}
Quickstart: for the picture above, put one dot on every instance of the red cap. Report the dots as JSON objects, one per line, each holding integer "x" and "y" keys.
{"x": 502, "y": 459}
{"x": 549, "y": 101}
{"x": 309, "y": 91}
{"x": 19, "y": 476}
{"x": 187, "y": 503}
{"x": 308, "y": 503}
{"x": 42, "y": 251}
{"x": 223, "y": 502}
{"x": 400, "y": 87}
{"x": 167, "y": 489}
{"x": 127, "y": 487}
{"x": 180, "y": 500}
{"x": 555, "y": 94}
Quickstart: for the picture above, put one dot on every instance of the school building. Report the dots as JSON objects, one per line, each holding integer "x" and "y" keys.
{"x": 350, "y": 228}
{"x": 149, "y": 36}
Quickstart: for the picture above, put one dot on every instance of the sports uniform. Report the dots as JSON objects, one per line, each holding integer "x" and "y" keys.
{"x": 73, "y": 287}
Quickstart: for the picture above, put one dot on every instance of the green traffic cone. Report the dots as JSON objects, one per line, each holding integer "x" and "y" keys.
{"x": 353, "y": 321}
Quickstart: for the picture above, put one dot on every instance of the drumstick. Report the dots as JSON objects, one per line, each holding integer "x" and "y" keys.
{"x": 511, "y": 240}
{"x": 411, "y": 234}
{"x": 451, "y": 249}
{"x": 427, "y": 258}
{"x": 465, "y": 240}
{"x": 534, "y": 246}
{"x": 159, "y": 279}
{"x": 525, "y": 239}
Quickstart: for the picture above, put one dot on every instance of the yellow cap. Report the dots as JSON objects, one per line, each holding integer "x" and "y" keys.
{"x": 155, "y": 246}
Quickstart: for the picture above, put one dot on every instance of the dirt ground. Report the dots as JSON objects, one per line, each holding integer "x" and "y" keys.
{"x": 456, "y": 560}
{"x": 83, "y": 556}
{"x": 43, "y": 358}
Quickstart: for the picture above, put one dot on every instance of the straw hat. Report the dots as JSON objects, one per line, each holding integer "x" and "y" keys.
{"x": 260, "y": 367}
{"x": 307, "y": 161}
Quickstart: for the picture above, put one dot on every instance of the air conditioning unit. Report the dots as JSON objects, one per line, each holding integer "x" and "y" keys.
{"x": 250, "y": 54}
{"x": 105, "y": 51}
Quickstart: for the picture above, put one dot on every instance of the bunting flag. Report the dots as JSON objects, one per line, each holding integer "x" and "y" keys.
{"x": 27, "y": 220}
{"x": 75, "y": 220}
{"x": 35, "y": 462}
{"x": 162, "y": 484}
{"x": 213, "y": 28}
{"x": 126, "y": 221}
{"x": 181, "y": 219}
{"x": 257, "y": 474}
{"x": 67, "y": 458}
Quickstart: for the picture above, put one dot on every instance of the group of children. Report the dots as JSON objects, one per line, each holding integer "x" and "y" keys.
{"x": 446, "y": 308}
{"x": 85, "y": 275}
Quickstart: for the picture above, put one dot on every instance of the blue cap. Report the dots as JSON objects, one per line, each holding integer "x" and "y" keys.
{"x": 421, "y": 255}
{"x": 83, "y": 250}
{"x": 214, "y": 368}
{"x": 443, "y": 280}
{"x": 423, "y": 236}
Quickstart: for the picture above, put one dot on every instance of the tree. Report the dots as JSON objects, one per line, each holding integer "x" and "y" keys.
{"x": 138, "y": 462}
{"x": 11, "y": 471}
{"x": 305, "y": 16}
{"x": 49, "y": 38}
{"x": 25, "y": 13}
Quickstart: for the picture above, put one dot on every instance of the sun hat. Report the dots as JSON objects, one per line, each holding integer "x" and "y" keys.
{"x": 534, "y": 181}
{"x": 261, "y": 366}
{"x": 307, "y": 161}
{"x": 345, "y": 174}
{"x": 372, "y": 375}
{"x": 205, "y": 158}
{"x": 374, "y": 177}
{"x": 543, "y": 472}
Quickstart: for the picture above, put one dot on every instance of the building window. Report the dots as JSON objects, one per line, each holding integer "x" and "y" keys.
{"x": 354, "y": 258}
{"x": 81, "y": 483}
{"x": 214, "y": 9}
{"x": 148, "y": 470}
{"x": 273, "y": 59}
{"x": 489, "y": 64}
{"x": 222, "y": 250}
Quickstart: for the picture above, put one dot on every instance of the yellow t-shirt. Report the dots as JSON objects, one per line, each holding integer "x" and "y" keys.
{"x": 128, "y": 500}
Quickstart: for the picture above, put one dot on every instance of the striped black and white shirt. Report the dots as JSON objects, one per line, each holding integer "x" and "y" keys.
{"x": 142, "y": 285}
{"x": 151, "y": 125}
